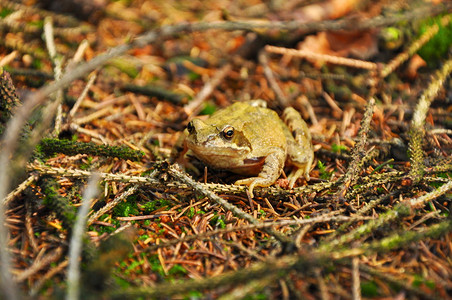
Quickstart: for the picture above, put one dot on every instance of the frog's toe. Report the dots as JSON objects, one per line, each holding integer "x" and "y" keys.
{"x": 252, "y": 182}
{"x": 294, "y": 175}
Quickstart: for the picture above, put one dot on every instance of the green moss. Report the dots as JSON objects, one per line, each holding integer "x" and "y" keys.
{"x": 151, "y": 206}
{"x": 5, "y": 12}
{"x": 208, "y": 109}
{"x": 369, "y": 289}
{"x": 125, "y": 209}
{"x": 49, "y": 147}
{"x": 177, "y": 270}
{"x": 439, "y": 45}
{"x": 419, "y": 281}
{"x": 65, "y": 212}
{"x": 217, "y": 221}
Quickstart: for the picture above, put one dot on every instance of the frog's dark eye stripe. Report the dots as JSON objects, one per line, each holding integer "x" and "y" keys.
{"x": 190, "y": 127}
{"x": 228, "y": 132}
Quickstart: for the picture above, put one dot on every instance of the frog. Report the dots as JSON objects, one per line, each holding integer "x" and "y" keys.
{"x": 250, "y": 139}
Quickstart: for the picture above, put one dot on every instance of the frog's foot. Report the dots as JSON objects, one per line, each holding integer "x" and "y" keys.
{"x": 253, "y": 182}
{"x": 295, "y": 174}
{"x": 270, "y": 172}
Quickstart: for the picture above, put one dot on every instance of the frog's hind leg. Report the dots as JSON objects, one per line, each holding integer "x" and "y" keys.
{"x": 270, "y": 172}
{"x": 299, "y": 145}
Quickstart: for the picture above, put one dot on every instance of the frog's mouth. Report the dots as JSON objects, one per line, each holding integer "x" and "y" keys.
{"x": 210, "y": 149}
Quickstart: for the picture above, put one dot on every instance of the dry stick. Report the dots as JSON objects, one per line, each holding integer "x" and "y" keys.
{"x": 324, "y": 295}
{"x": 150, "y": 180}
{"x": 263, "y": 60}
{"x": 356, "y": 286}
{"x": 361, "y": 212}
{"x": 20, "y": 188}
{"x": 65, "y": 19}
{"x": 81, "y": 49}
{"x": 7, "y": 59}
{"x": 75, "y": 246}
{"x": 176, "y": 173}
{"x": 399, "y": 211}
{"x": 355, "y": 63}
{"x": 422, "y": 200}
{"x": 57, "y": 62}
{"x": 414, "y": 47}
{"x": 112, "y": 204}
{"x": 40, "y": 264}
{"x": 358, "y": 151}
{"x": 29, "y": 226}
{"x": 82, "y": 96}
{"x": 194, "y": 107}
{"x": 417, "y": 123}
{"x": 53, "y": 271}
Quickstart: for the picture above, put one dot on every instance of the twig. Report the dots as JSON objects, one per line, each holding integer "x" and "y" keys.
{"x": 263, "y": 60}
{"x": 82, "y": 96}
{"x": 29, "y": 226}
{"x": 58, "y": 69}
{"x": 20, "y": 188}
{"x": 355, "y": 63}
{"x": 75, "y": 246}
{"x": 53, "y": 271}
{"x": 358, "y": 151}
{"x": 324, "y": 295}
{"x": 399, "y": 211}
{"x": 40, "y": 264}
{"x": 150, "y": 180}
{"x": 418, "y": 202}
{"x": 176, "y": 173}
{"x": 112, "y": 204}
{"x": 417, "y": 123}
{"x": 194, "y": 106}
{"x": 356, "y": 286}
{"x": 65, "y": 19}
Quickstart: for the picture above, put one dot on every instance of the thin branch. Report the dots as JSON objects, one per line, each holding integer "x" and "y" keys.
{"x": 195, "y": 106}
{"x": 263, "y": 60}
{"x": 110, "y": 205}
{"x": 75, "y": 246}
{"x": 417, "y": 123}
{"x": 355, "y": 63}
{"x": 358, "y": 151}
{"x": 176, "y": 173}
{"x": 356, "y": 285}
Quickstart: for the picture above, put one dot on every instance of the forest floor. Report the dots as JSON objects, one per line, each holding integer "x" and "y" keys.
{"x": 95, "y": 96}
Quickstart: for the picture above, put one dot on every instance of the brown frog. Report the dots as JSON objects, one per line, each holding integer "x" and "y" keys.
{"x": 248, "y": 138}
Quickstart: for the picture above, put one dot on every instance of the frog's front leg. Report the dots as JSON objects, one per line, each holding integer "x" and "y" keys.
{"x": 270, "y": 172}
{"x": 299, "y": 145}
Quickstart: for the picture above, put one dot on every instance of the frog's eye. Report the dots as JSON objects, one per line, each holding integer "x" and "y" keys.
{"x": 190, "y": 127}
{"x": 228, "y": 132}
